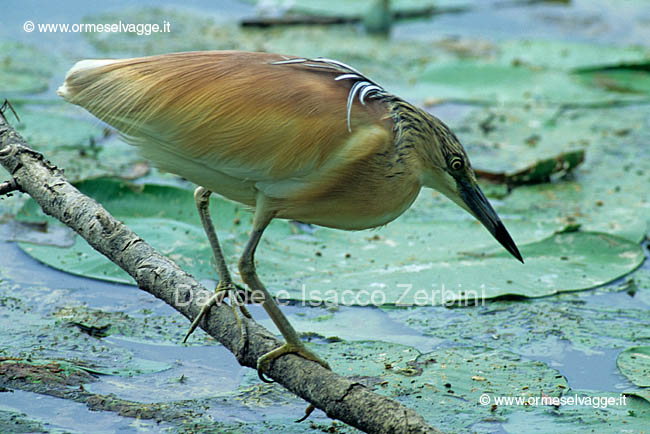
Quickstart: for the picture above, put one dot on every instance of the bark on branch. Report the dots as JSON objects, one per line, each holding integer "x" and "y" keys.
{"x": 339, "y": 397}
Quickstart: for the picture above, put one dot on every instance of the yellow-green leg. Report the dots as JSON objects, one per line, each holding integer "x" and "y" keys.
{"x": 247, "y": 270}
{"x": 225, "y": 286}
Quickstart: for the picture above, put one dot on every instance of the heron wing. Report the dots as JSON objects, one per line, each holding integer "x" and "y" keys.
{"x": 271, "y": 119}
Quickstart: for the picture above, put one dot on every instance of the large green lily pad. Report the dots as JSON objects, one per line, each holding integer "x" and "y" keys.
{"x": 607, "y": 193}
{"x": 539, "y": 72}
{"x": 412, "y": 261}
{"x": 49, "y": 129}
{"x": 174, "y": 229}
{"x": 479, "y": 82}
{"x": 589, "y": 323}
{"x": 83, "y": 147}
{"x": 567, "y": 56}
{"x": 634, "y": 363}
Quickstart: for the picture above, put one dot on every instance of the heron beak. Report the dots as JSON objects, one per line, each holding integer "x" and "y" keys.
{"x": 479, "y": 206}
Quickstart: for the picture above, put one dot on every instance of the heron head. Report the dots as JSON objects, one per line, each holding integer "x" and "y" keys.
{"x": 447, "y": 169}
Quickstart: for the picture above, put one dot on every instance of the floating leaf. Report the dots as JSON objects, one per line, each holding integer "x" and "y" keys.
{"x": 634, "y": 363}
{"x": 639, "y": 393}
{"x": 188, "y": 31}
{"x": 82, "y": 147}
{"x": 547, "y": 72}
{"x": 607, "y": 193}
{"x": 567, "y": 55}
{"x": 450, "y": 387}
{"x": 24, "y": 70}
{"x": 173, "y": 228}
{"x": 410, "y": 263}
{"x": 483, "y": 82}
{"x": 540, "y": 171}
{"x": 626, "y": 78}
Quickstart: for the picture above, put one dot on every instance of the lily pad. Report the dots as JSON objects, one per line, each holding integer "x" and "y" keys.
{"x": 449, "y": 387}
{"x": 188, "y": 31}
{"x": 567, "y": 55}
{"x": 393, "y": 63}
{"x": 607, "y": 193}
{"x": 174, "y": 229}
{"x": 538, "y": 172}
{"x": 541, "y": 72}
{"x": 85, "y": 148}
{"x": 412, "y": 262}
{"x": 570, "y": 328}
{"x": 24, "y": 69}
{"x": 626, "y": 79}
{"x": 487, "y": 82}
{"x": 564, "y": 262}
{"x": 634, "y": 363}
{"x": 639, "y": 393}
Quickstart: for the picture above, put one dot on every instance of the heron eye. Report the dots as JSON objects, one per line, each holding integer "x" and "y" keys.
{"x": 456, "y": 163}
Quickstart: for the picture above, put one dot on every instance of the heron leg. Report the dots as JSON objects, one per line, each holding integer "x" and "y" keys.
{"x": 225, "y": 286}
{"x": 293, "y": 343}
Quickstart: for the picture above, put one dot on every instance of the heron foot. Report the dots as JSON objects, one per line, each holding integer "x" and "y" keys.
{"x": 222, "y": 291}
{"x": 288, "y": 348}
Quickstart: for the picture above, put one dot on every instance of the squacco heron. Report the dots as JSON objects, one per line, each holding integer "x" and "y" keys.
{"x": 312, "y": 140}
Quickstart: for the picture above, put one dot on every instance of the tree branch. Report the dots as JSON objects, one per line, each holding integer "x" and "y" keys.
{"x": 338, "y": 396}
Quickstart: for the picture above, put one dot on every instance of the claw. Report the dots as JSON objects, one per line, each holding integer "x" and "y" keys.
{"x": 261, "y": 367}
{"x": 204, "y": 310}
{"x": 308, "y": 411}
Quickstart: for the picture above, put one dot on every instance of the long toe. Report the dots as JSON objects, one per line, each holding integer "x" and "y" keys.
{"x": 288, "y": 348}
{"x": 224, "y": 290}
